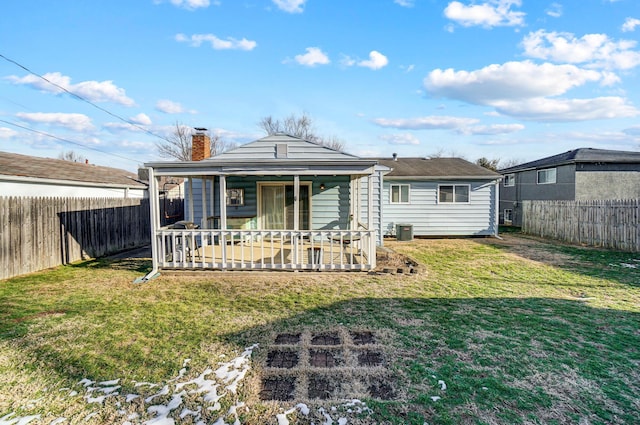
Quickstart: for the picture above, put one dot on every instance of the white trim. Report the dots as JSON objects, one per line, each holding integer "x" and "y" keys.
{"x": 400, "y": 202}
{"x": 58, "y": 182}
{"x": 468, "y": 186}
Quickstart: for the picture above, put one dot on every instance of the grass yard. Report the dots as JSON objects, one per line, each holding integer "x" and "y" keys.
{"x": 492, "y": 332}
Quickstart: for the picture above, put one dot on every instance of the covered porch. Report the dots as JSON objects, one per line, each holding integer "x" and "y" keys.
{"x": 279, "y": 203}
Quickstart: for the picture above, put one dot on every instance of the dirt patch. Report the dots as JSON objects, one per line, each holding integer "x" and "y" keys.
{"x": 278, "y": 388}
{"x": 326, "y": 339}
{"x": 532, "y": 250}
{"x": 282, "y": 359}
{"x": 287, "y": 339}
{"x": 362, "y": 338}
{"x": 324, "y": 358}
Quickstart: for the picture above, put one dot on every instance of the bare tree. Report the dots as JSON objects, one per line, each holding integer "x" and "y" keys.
{"x": 299, "y": 126}
{"x": 71, "y": 156}
{"x": 490, "y": 164}
{"x": 510, "y": 163}
{"x": 178, "y": 144}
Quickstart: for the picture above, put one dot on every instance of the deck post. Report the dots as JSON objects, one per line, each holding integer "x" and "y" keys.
{"x": 154, "y": 208}
{"x": 296, "y": 218}
{"x": 223, "y": 219}
{"x": 372, "y": 238}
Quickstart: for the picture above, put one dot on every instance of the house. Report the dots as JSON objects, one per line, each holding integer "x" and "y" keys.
{"x": 279, "y": 202}
{"x": 439, "y": 197}
{"x": 22, "y": 175}
{"x": 579, "y": 174}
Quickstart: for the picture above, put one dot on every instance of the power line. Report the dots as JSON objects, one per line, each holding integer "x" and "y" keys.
{"x": 83, "y": 99}
{"x": 62, "y": 139}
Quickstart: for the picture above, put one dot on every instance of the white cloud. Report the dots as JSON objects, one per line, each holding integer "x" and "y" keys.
{"x": 347, "y": 61}
{"x": 376, "y": 61}
{"x": 491, "y": 130}
{"x": 190, "y": 4}
{"x": 169, "y": 107}
{"x": 563, "y": 110}
{"x": 313, "y": 57}
{"x": 509, "y": 81}
{"x": 141, "y": 119}
{"x": 554, "y": 10}
{"x": 94, "y": 91}
{"x": 491, "y": 13}
{"x": 595, "y": 50}
{"x": 405, "y": 3}
{"x": 400, "y": 139}
{"x": 426, "y": 123}
{"x": 76, "y": 122}
{"x": 630, "y": 24}
{"x": 290, "y": 6}
{"x": 7, "y": 133}
{"x": 230, "y": 43}
{"x": 632, "y": 131}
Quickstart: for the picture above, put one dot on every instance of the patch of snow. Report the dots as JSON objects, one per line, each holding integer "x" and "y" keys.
{"x": 163, "y": 391}
{"x": 435, "y": 398}
{"x": 131, "y": 397}
{"x": 86, "y": 382}
{"x": 162, "y": 411}
{"x": 443, "y": 386}
{"x": 109, "y": 383}
{"x": 57, "y": 421}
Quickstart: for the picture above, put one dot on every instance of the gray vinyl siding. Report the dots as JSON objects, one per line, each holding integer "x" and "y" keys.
{"x": 329, "y": 207}
{"x": 430, "y": 218}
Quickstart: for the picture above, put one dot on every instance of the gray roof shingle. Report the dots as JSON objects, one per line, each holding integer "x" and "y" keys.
{"x": 436, "y": 168}
{"x": 12, "y": 164}
{"x": 578, "y": 155}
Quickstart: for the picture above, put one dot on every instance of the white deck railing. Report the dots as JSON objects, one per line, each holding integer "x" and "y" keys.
{"x": 266, "y": 249}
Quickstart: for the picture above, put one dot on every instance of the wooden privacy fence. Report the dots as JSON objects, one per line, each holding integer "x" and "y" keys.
{"x": 612, "y": 224}
{"x": 38, "y": 233}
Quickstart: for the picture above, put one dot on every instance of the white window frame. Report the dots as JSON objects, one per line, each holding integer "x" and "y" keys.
{"x": 547, "y": 170}
{"x": 399, "y": 186}
{"x": 468, "y": 186}
{"x": 509, "y": 180}
{"x": 508, "y": 211}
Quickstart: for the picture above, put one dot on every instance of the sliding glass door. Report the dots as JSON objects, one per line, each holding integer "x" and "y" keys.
{"x": 277, "y": 206}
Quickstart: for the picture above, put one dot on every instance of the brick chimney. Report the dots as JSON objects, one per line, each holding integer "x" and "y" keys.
{"x": 200, "y": 145}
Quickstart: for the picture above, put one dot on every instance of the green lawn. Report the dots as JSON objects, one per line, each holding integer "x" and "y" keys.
{"x": 519, "y": 331}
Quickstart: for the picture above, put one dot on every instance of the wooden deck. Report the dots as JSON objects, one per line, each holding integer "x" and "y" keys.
{"x": 266, "y": 250}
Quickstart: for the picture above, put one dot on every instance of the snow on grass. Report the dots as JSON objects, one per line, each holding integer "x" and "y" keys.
{"x": 229, "y": 375}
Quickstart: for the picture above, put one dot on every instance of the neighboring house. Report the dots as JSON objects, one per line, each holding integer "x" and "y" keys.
{"x": 579, "y": 174}
{"x": 22, "y": 175}
{"x": 439, "y": 197}
{"x": 279, "y": 202}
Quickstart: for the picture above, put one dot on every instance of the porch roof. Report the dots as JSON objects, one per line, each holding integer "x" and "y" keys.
{"x": 272, "y": 155}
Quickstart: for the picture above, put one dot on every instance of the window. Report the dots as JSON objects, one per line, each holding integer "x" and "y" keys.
{"x": 509, "y": 180}
{"x": 508, "y": 216}
{"x": 399, "y": 194}
{"x": 457, "y": 194}
{"x": 235, "y": 197}
{"x": 547, "y": 176}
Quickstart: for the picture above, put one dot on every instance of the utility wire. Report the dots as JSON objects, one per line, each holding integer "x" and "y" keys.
{"x": 83, "y": 99}
{"x": 62, "y": 139}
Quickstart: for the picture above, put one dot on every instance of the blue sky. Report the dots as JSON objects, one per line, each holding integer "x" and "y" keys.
{"x": 509, "y": 79}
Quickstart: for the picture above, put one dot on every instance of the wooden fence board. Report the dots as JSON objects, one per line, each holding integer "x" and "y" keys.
{"x": 612, "y": 224}
{"x": 38, "y": 233}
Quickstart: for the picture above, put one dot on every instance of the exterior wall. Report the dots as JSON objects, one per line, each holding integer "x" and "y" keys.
{"x": 527, "y": 188}
{"x": 593, "y": 185}
{"x": 377, "y": 205}
{"x": 429, "y": 218}
{"x": 41, "y": 189}
{"x": 329, "y": 207}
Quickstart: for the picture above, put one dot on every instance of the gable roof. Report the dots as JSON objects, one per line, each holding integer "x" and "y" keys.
{"x": 578, "y": 155}
{"x": 435, "y": 168}
{"x": 296, "y": 149}
{"x": 13, "y": 165}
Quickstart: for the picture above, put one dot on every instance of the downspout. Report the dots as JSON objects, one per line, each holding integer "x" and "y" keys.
{"x": 154, "y": 208}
